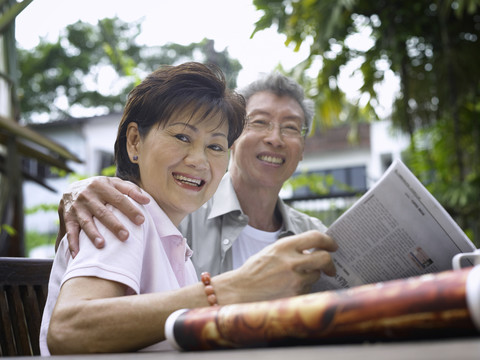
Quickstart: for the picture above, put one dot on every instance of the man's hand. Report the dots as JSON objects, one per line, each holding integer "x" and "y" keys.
{"x": 285, "y": 268}
{"x": 87, "y": 199}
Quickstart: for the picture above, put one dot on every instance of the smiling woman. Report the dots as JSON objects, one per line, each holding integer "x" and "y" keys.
{"x": 194, "y": 159}
{"x": 172, "y": 142}
{"x": 177, "y": 152}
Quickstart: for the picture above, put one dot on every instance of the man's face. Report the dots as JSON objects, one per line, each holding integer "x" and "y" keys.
{"x": 268, "y": 151}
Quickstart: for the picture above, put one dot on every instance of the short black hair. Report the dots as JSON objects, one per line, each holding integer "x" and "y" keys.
{"x": 171, "y": 89}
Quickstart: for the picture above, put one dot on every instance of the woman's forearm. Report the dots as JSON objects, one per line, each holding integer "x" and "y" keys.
{"x": 113, "y": 323}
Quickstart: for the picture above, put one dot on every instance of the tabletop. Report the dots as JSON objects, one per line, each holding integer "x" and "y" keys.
{"x": 444, "y": 349}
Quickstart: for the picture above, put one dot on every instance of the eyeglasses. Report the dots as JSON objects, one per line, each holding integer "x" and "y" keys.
{"x": 288, "y": 129}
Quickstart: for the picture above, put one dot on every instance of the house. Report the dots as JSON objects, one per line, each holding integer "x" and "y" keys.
{"x": 92, "y": 140}
{"x": 18, "y": 143}
{"x": 356, "y": 164}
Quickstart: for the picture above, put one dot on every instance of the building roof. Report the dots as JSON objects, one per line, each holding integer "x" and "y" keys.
{"x": 337, "y": 138}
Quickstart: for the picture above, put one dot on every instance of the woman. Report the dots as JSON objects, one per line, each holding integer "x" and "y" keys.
{"x": 173, "y": 142}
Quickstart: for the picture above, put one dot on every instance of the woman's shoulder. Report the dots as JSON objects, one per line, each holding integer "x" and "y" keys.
{"x": 152, "y": 212}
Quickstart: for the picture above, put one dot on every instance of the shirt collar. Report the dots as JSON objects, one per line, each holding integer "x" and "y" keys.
{"x": 225, "y": 199}
{"x": 287, "y": 226}
{"x": 165, "y": 227}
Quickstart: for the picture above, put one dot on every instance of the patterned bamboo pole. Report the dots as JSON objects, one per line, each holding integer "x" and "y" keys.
{"x": 428, "y": 306}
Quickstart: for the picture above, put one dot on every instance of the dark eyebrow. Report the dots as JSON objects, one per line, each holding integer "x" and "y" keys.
{"x": 191, "y": 127}
{"x": 195, "y": 129}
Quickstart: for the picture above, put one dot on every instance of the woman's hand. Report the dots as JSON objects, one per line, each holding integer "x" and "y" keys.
{"x": 88, "y": 198}
{"x": 288, "y": 267}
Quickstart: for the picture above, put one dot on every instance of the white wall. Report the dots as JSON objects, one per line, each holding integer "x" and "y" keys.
{"x": 99, "y": 134}
{"x": 385, "y": 141}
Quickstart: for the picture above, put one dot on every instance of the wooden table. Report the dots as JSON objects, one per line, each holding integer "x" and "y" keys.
{"x": 446, "y": 349}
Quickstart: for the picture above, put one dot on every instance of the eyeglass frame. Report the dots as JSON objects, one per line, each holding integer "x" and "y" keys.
{"x": 270, "y": 127}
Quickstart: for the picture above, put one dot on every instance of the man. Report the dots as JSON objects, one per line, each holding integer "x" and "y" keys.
{"x": 246, "y": 214}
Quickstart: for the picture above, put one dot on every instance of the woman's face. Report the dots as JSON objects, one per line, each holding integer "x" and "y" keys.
{"x": 181, "y": 162}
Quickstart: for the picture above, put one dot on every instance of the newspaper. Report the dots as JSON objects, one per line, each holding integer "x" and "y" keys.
{"x": 395, "y": 230}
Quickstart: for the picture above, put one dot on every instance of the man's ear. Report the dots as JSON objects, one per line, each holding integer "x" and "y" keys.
{"x": 133, "y": 140}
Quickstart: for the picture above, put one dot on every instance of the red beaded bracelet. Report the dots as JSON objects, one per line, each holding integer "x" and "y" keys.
{"x": 209, "y": 291}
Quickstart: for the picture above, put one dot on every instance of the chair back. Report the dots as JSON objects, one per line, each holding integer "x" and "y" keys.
{"x": 23, "y": 292}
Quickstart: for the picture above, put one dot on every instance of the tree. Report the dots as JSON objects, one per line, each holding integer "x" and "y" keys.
{"x": 62, "y": 79}
{"x": 17, "y": 143}
{"x": 433, "y": 48}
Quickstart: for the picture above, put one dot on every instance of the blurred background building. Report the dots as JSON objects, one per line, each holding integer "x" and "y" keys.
{"x": 353, "y": 166}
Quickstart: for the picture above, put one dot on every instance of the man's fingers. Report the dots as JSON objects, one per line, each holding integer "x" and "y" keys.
{"x": 88, "y": 199}
{"x": 326, "y": 261}
{"x": 61, "y": 228}
{"x": 85, "y": 222}
{"x": 85, "y": 209}
{"x": 309, "y": 278}
{"x": 315, "y": 261}
{"x": 309, "y": 252}
{"x": 111, "y": 222}
{"x": 314, "y": 239}
{"x": 132, "y": 190}
{"x": 84, "y": 218}
{"x": 72, "y": 237}
{"x": 115, "y": 197}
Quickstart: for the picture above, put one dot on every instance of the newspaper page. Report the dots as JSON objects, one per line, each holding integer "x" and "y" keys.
{"x": 395, "y": 230}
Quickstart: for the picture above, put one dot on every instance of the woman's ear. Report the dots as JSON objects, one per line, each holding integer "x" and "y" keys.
{"x": 133, "y": 140}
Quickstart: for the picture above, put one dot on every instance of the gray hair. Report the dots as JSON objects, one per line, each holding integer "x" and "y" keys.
{"x": 281, "y": 85}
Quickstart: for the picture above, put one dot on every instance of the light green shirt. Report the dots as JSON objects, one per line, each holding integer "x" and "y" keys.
{"x": 212, "y": 229}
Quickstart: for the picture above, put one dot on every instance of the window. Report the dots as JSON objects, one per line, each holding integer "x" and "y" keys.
{"x": 346, "y": 182}
{"x": 38, "y": 170}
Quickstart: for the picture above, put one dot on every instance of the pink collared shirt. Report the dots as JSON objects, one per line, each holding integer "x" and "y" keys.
{"x": 155, "y": 258}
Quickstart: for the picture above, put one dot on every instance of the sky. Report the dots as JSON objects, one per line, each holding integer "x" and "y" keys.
{"x": 229, "y": 22}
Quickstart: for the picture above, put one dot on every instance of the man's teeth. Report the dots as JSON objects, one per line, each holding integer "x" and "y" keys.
{"x": 189, "y": 181}
{"x": 271, "y": 159}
